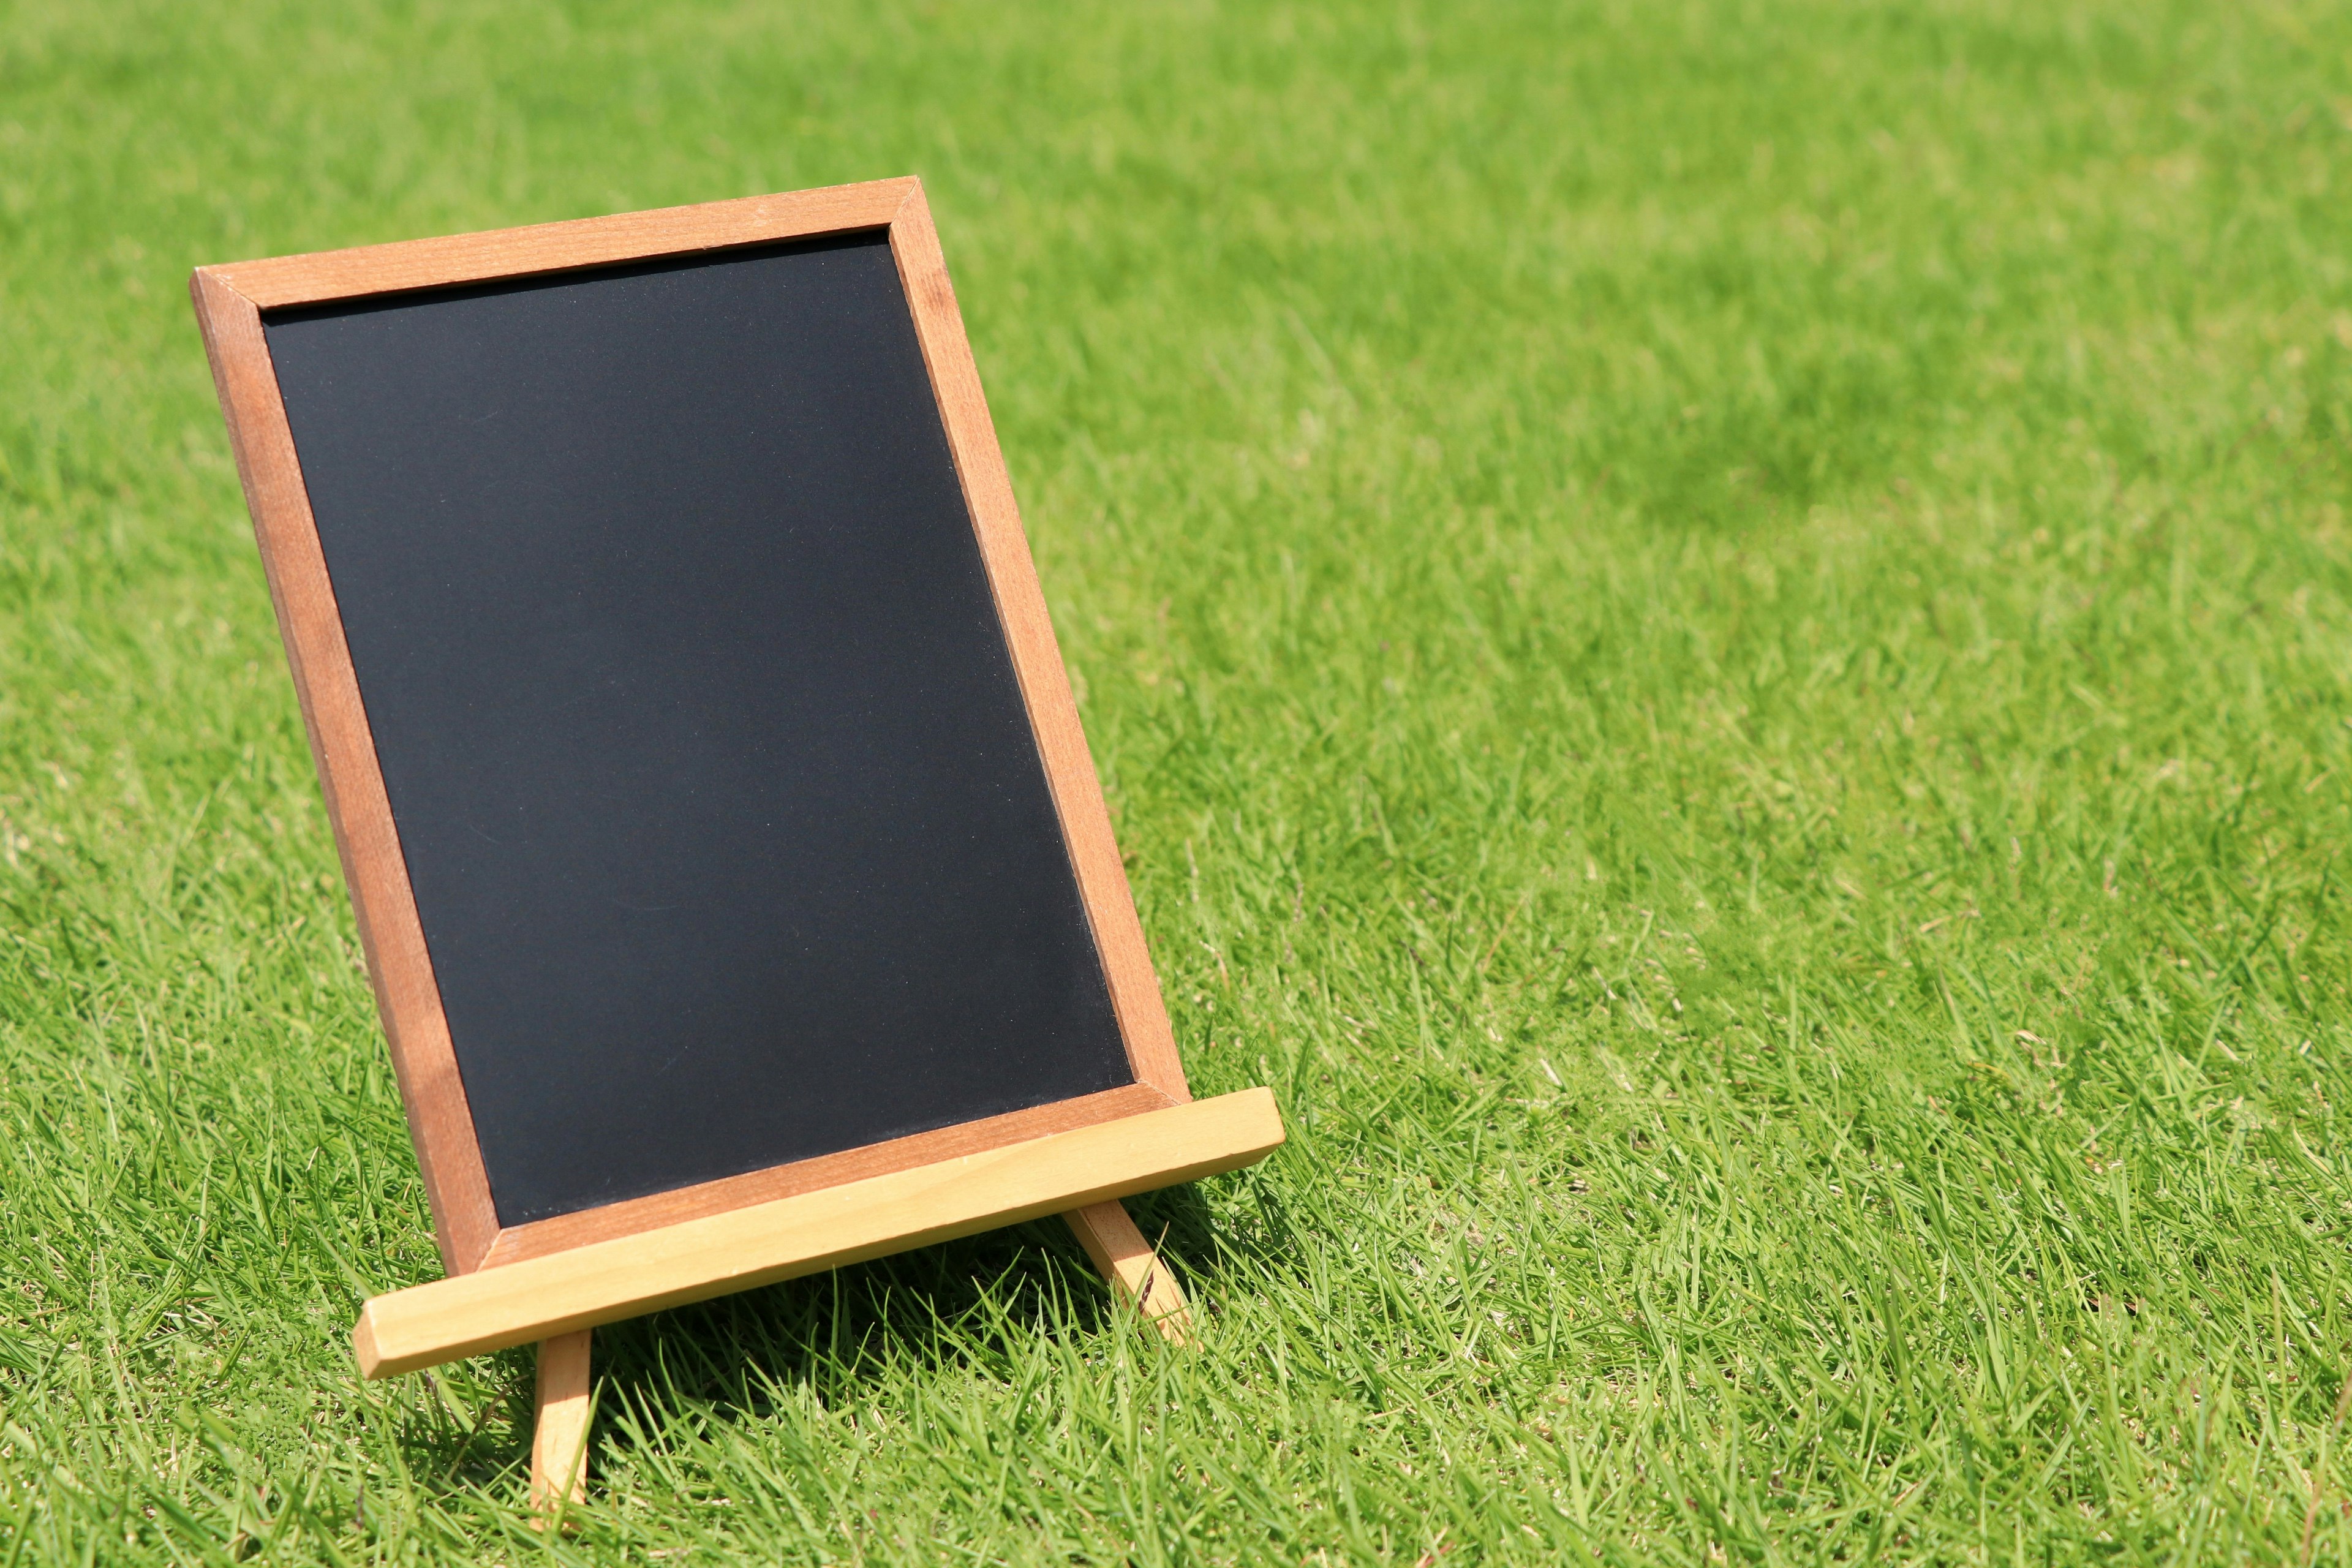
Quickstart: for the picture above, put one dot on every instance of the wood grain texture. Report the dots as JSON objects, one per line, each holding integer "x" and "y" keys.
{"x": 1133, "y": 1267}
{"x": 567, "y": 1291}
{"x": 559, "y": 1437}
{"x": 567, "y": 246}
{"x": 638, "y": 1215}
{"x": 1036, "y": 655}
{"x": 391, "y": 935}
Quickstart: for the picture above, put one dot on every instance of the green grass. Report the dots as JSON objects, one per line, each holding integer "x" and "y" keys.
{"x": 1721, "y": 636}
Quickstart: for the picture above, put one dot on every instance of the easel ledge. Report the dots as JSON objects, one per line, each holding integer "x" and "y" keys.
{"x": 542, "y": 1298}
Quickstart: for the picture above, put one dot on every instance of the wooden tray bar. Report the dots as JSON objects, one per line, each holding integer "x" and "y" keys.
{"x": 539, "y": 1298}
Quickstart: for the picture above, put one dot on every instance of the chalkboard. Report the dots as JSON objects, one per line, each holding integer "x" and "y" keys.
{"x": 727, "y": 831}
{"x": 735, "y": 883}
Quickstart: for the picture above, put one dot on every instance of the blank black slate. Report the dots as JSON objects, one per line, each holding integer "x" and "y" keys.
{"x": 725, "y": 820}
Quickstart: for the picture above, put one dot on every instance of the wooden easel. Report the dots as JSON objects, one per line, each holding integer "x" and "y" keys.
{"x": 559, "y": 1443}
{"x": 1075, "y": 1148}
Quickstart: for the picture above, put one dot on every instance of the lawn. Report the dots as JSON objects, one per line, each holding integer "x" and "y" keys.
{"x": 1721, "y": 638}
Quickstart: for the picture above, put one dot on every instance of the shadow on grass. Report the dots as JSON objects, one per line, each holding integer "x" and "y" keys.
{"x": 934, "y": 1309}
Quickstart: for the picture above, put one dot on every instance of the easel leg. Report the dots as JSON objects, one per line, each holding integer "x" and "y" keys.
{"x": 559, "y": 1444}
{"x": 1134, "y": 1270}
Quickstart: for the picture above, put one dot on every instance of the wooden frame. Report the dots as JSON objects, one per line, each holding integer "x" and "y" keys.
{"x": 230, "y": 301}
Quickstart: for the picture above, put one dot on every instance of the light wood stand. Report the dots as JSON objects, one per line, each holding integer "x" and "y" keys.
{"x": 558, "y": 1440}
{"x": 559, "y": 1443}
{"x": 1136, "y": 1276}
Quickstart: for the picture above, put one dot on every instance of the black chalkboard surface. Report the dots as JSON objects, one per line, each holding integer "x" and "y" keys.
{"x": 727, "y": 831}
